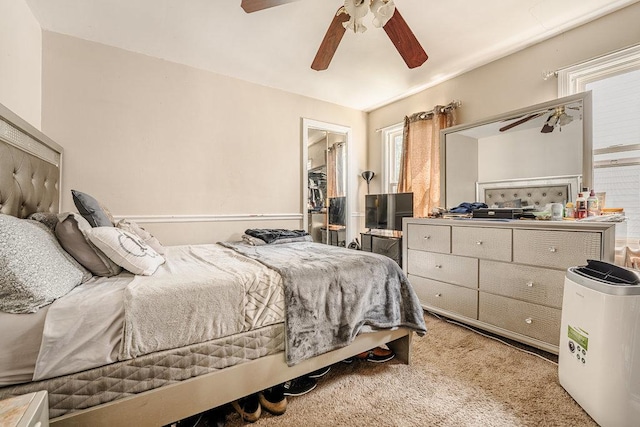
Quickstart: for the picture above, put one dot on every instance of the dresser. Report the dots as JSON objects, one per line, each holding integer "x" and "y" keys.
{"x": 506, "y": 277}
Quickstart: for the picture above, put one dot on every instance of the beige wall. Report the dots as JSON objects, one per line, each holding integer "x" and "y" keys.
{"x": 20, "y": 61}
{"x": 149, "y": 137}
{"x": 512, "y": 82}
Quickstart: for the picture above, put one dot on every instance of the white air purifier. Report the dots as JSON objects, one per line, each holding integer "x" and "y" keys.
{"x": 599, "y": 354}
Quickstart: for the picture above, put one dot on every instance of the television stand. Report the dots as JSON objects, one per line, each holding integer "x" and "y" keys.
{"x": 384, "y": 242}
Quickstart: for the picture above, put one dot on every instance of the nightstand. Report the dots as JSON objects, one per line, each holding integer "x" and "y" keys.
{"x": 27, "y": 410}
{"x": 384, "y": 242}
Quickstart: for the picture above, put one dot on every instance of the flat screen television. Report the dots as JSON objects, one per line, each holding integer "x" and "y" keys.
{"x": 385, "y": 211}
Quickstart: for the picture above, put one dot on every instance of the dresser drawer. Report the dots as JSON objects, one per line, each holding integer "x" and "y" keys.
{"x": 432, "y": 238}
{"x": 488, "y": 243}
{"x": 445, "y": 268}
{"x": 532, "y": 284}
{"x": 559, "y": 249}
{"x": 533, "y": 320}
{"x": 456, "y": 299}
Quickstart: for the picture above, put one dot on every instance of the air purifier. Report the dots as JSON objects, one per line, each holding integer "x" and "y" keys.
{"x": 599, "y": 353}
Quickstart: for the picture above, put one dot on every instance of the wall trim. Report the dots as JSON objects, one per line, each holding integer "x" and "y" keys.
{"x": 211, "y": 218}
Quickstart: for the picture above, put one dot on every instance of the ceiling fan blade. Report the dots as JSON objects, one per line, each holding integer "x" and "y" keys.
{"x": 405, "y": 41}
{"x": 547, "y": 127}
{"x": 256, "y": 5}
{"x": 521, "y": 121}
{"x": 330, "y": 42}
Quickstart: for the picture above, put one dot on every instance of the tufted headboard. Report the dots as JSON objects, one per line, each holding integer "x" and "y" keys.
{"x": 536, "y": 192}
{"x": 29, "y": 168}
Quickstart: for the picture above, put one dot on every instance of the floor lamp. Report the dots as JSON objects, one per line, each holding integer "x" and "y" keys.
{"x": 368, "y": 176}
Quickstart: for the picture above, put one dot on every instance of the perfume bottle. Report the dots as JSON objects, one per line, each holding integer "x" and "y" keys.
{"x": 581, "y": 205}
{"x": 592, "y": 204}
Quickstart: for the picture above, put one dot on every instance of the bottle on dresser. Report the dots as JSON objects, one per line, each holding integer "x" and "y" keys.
{"x": 581, "y": 204}
{"x": 592, "y": 204}
{"x": 569, "y": 211}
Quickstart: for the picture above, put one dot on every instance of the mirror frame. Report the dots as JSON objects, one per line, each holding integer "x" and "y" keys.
{"x": 308, "y": 124}
{"x": 587, "y": 135}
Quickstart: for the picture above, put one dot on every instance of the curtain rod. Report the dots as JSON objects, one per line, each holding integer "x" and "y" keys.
{"x": 439, "y": 109}
{"x": 450, "y": 106}
{"x": 546, "y": 75}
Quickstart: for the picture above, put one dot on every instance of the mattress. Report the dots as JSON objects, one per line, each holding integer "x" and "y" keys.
{"x": 122, "y": 379}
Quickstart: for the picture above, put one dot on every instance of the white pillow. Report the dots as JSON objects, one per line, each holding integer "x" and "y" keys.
{"x": 133, "y": 228}
{"x": 126, "y": 249}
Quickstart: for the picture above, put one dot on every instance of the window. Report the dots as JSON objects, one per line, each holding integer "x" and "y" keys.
{"x": 391, "y": 157}
{"x": 614, "y": 81}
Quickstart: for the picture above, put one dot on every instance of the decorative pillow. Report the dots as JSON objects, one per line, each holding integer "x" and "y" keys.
{"x": 71, "y": 233}
{"x": 126, "y": 249}
{"x": 133, "y": 228}
{"x": 253, "y": 241}
{"x": 109, "y": 215}
{"x": 34, "y": 269}
{"x": 49, "y": 219}
{"x": 91, "y": 209}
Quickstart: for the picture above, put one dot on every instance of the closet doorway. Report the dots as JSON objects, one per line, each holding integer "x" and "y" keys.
{"x": 325, "y": 160}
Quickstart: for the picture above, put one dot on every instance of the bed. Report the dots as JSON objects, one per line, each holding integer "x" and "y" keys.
{"x": 103, "y": 368}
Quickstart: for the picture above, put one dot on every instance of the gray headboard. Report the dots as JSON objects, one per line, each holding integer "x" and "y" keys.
{"x": 536, "y": 192}
{"x": 29, "y": 168}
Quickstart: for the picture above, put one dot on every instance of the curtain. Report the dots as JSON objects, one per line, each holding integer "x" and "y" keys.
{"x": 420, "y": 165}
{"x": 336, "y": 170}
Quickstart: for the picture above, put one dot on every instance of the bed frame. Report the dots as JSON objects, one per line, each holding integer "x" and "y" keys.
{"x": 30, "y": 181}
{"x": 537, "y": 192}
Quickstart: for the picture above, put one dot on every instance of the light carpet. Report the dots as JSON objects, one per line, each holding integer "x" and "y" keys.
{"x": 457, "y": 378}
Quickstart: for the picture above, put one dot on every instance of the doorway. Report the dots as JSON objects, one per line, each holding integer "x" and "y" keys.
{"x": 325, "y": 190}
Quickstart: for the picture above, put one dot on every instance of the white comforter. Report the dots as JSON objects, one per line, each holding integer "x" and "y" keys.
{"x": 201, "y": 293}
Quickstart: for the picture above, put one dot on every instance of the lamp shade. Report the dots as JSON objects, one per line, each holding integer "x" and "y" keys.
{"x": 368, "y": 176}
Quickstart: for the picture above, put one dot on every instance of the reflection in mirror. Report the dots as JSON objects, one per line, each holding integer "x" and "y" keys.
{"x": 544, "y": 141}
{"x": 327, "y": 186}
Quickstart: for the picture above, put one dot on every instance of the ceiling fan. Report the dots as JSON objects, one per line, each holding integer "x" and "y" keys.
{"x": 558, "y": 117}
{"x": 386, "y": 15}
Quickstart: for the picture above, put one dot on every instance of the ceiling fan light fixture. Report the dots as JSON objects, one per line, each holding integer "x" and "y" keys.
{"x": 382, "y": 12}
{"x": 564, "y": 119}
{"x": 357, "y": 10}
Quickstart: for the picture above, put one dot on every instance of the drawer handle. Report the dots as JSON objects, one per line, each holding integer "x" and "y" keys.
{"x": 552, "y": 249}
{"x": 438, "y": 266}
{"x": 530, "y": 284}
{"x": 438, "y": 295}
{"x": 427, "y": 237}
{"x": 528, "y": 320}
{"x": 479, "y": 242}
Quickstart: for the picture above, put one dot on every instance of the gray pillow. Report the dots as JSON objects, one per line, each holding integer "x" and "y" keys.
{"x": 34, "y": 269}
{"x": 49, "y": 219}
{"x": 71, "y": 233}
{"x": 91, "y": 209}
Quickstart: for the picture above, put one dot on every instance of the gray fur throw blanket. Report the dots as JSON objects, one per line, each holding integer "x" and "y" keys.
{"x": 331, "y": 293}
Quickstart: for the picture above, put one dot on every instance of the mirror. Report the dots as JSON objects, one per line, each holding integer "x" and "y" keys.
{"x": 325, "y": 161}
{"x": 545, "y": 141}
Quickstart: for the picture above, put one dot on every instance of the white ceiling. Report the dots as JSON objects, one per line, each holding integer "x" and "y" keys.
{"x": 275, "y": 47}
